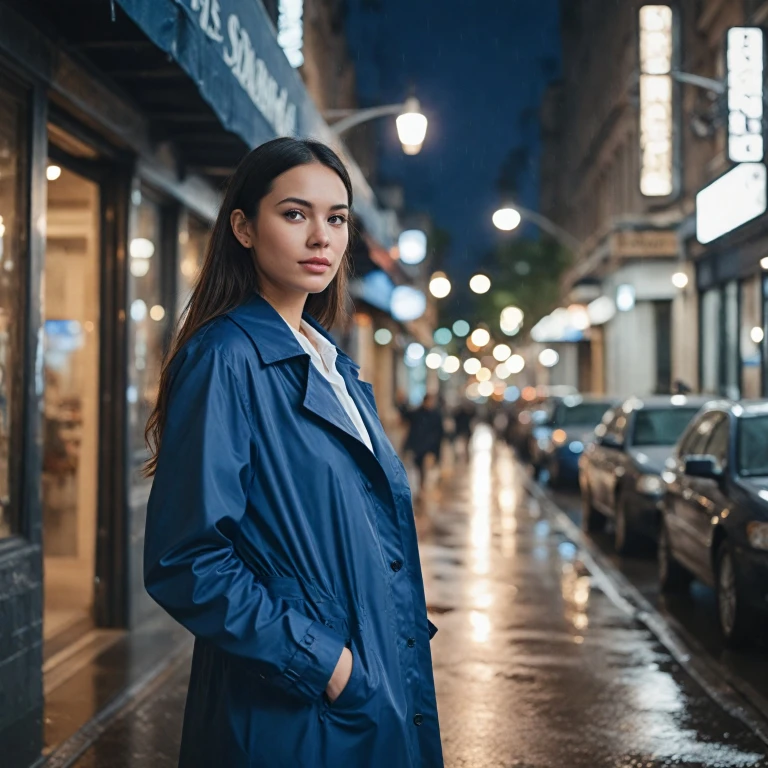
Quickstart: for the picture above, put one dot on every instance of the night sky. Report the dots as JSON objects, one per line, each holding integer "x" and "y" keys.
{"x": 476, "y": 67}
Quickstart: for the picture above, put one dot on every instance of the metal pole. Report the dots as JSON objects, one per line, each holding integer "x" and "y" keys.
{"x": 716, "y": 86}
{"x": 561, "y": 235}
{"x": 351, "y": 118}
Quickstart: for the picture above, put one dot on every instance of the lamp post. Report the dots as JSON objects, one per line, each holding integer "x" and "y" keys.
{"x": 411, "y": 123}
{"x": 509, "y": 218}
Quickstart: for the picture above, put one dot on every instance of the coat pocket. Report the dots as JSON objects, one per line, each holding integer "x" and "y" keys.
{"x": 363, "y": 683}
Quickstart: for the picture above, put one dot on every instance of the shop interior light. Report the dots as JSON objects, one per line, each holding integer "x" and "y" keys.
{"x": 480, "y": 337}
{"x": 383, "y": 336}
{"x": 549, "y": 358}
{"x": 52, "y": 172}
{"x": 439, "y": 285}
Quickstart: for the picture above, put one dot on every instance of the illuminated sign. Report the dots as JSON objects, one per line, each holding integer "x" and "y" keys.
{"x": 730, "y": 201}
{"x": 656, "y": 122}
{"x": 290, "y": 30}
{"x": 744, "y": 60}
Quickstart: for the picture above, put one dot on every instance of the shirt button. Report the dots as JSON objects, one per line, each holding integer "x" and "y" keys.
{"x": 418, "y": 719}
{"x": 411, "y": 642}
{"x": 395, "y": 565}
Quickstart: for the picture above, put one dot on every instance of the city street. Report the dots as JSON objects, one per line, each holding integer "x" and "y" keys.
{"x": 537, "y": 663}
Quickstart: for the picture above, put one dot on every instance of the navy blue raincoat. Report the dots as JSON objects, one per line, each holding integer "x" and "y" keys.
{"x": 277, "y": 537}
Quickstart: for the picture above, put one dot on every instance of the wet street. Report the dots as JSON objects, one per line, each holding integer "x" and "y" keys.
{"x": 537, "y": 663}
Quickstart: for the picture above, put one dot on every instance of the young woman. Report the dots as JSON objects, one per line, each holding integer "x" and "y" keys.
{"x": 280, "y": 528}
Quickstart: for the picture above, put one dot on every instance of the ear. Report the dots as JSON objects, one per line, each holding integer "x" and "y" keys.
{"x": 241, "y": 228}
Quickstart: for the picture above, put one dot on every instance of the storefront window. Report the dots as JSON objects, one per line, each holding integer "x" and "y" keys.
{"x": 13, "y": 183}
{"x": 710, "y": 330}
{"x": 193, "y": 240}
{"x": 731, "y": 384}
{"x": 147, "y": 320}
{"x": 751, "y": 337}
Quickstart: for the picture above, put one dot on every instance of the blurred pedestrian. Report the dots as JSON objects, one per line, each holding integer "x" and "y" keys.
{"x": 276, "y": 494}
{"x": 425, "y": 436}
{"x": 464, "y": 420}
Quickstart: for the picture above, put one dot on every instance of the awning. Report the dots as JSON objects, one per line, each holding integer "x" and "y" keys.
{"x": 229, "y": 50}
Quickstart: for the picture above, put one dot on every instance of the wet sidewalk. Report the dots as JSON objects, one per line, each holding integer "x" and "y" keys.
{"x": 535, "y": 666}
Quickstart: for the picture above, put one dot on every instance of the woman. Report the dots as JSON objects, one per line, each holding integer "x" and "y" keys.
{"x": 280, "y": 527}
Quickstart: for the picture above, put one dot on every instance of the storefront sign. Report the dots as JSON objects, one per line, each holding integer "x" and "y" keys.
{"x": 290, "y": 30}
{"x": 656, "y": 117}
{"x": 732, "y": 200}
{"x": 744, "y": 59}
{"x": 249, "y": 70}
{"x": 644, "y": 243}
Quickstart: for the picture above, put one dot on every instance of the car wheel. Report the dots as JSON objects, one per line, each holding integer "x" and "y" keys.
{"x": 737, "y": 624}
{"x": 591, "y": 520}
{"x": 625, "y": 537}
{"x": 672, "y": 576}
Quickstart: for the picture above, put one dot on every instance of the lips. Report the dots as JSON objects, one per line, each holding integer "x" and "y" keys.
{"x": 319, "y": 261}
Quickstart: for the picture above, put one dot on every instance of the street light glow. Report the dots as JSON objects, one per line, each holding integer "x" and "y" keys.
{"x": 434, "y": 360}
{"x": 516, "y": 363}
{"x": 680, "y": 280}
{"x": 412, "y": 245}
{"x": 480, "y": 284}
{"x": 501, "y": 352}
{"x": 549, "y": 358}
{"x": 439, "y": 285}
{"x": 480, "y": 337}
{"x": 472, "y": 366}
{"x": 412, "y": 128}
{"x": 451, "y": 364}
{"x": 511, "y": 320}
{"x": 507, "y": 219}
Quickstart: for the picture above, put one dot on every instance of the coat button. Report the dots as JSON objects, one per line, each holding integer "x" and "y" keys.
{"x": 418, "y": 719}
{"x": 396, "y": 565}
{"x": 411, "y": 642}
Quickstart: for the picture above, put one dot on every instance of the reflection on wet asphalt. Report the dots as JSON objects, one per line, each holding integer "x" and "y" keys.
{"x": 535, "y": 667}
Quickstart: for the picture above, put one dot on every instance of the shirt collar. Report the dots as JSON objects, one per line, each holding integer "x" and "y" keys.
{"x": 273, "y": 338}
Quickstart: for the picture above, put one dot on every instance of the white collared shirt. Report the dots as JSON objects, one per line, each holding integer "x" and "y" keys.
{"x": 324, "y": 360}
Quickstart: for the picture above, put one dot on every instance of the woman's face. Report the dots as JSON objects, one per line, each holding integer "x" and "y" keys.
{"x": 300, "y": 233}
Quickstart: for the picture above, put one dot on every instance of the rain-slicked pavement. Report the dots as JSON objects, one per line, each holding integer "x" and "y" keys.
{"x": 535, "y": 666}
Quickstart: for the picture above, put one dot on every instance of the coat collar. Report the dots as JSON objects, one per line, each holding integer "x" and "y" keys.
{"x": 272, "y": 336}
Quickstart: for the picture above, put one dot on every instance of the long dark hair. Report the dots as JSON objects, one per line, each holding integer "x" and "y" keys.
{"x": 229, "y": 276}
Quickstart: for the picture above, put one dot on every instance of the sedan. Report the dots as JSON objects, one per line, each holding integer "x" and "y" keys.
{"x": 715, "y": 514}
{"x": 621, "y": 471}
{"x": 569, "y": 429}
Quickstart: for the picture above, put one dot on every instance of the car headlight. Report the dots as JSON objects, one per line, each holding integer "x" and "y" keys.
{"x": 757, "y": 533}
{"x": 649, "y": 485}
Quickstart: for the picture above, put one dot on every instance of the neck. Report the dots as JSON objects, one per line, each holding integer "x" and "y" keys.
{"x": 288, "y": 304}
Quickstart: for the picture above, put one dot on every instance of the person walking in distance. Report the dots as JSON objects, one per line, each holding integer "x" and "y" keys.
{"x": 280, "y": 526}
{"x": 425, "y": 436}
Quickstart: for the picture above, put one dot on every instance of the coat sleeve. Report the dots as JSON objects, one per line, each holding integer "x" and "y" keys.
{"x": 191, "y": 567}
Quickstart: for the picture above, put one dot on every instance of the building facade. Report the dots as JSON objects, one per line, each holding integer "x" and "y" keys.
{"x": 636, "y": 144}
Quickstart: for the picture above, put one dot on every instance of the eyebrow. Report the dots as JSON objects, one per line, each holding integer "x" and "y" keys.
{"x": 307, "y": 204}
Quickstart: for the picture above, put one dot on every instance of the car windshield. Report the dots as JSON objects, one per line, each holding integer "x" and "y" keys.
{"x": 584, "y": 414}
{"x": 661, "y": 426}
{"x": 752, "y": 446}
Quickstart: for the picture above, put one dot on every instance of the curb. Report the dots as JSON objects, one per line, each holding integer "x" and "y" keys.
{"x": 736, "y": 697}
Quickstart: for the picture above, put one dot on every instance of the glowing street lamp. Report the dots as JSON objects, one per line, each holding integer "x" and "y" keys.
{"x": 507, "y": 219}
{"x": 439, "y": 285}
{"x": 480, "y": 284}
{"x": 411, "y": 123}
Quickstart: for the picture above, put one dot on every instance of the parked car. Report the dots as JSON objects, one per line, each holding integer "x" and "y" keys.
{"x": 620, "y": 474}
{"x": 715, "y": 514}
{"x": 570, "y": 427}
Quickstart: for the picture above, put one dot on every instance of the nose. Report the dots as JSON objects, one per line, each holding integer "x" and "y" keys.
{"x": 318, "y": 237}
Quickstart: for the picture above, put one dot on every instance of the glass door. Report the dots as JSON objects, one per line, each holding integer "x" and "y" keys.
{"x": 71, "y": 402}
